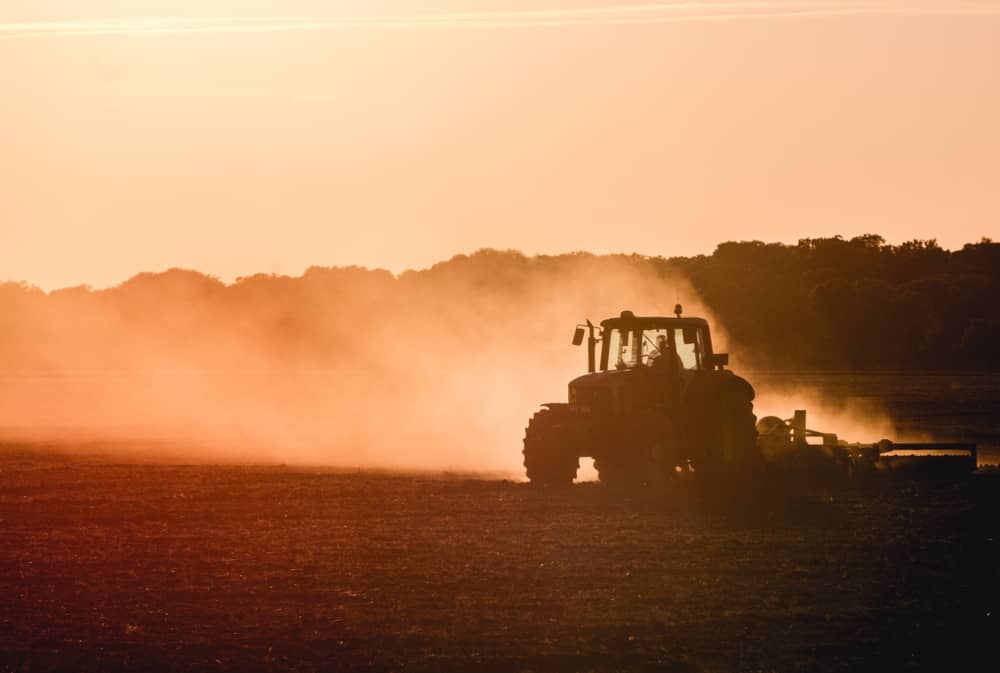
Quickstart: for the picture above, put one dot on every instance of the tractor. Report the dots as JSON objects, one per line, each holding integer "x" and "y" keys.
{"x": 657, "y": 403}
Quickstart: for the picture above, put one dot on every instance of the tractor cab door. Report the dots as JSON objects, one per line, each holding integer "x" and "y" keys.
{"x": 677, "y": 354}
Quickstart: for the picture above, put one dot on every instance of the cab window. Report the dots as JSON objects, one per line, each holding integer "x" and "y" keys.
{"x": 627, "y": 348}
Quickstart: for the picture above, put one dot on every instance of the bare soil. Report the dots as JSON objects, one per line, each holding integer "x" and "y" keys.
{"x": 108, "y": 567}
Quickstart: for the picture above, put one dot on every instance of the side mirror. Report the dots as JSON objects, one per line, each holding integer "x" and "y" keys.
{"x": 719, "y": 360}
{"x": 578, "y": 336}
{"x": 690, "y": 336}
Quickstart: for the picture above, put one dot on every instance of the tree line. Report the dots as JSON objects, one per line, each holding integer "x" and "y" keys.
{"x": 856, "y": 304}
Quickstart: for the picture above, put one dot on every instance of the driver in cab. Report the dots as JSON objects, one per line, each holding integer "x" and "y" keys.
{"x": 665, "y": 356}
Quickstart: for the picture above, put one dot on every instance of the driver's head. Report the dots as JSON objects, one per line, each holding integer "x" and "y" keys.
{"x": 661, "y": 342}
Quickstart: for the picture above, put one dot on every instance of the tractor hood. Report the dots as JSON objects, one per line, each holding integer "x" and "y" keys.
{"x": 599, "y": 388}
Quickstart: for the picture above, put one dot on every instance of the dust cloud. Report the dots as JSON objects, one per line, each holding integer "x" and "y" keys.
{"x": 435, "y": 369}
{"x": 832, "y": 405}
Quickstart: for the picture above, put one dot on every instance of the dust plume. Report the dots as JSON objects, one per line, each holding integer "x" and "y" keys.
{"x": 436, "y": 369}
{"x": 834, "y": 403}
{"x": 433, "y": 369}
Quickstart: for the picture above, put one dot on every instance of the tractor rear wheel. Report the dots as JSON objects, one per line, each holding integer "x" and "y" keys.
{"x": 550, "y": 457}
{"x": 648, "y": 457}
{"x": 617, "y": 472}
{"x": 731, "y": 437}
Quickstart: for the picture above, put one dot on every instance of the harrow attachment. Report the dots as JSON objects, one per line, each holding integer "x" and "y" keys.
{"x": 790, "y": 445}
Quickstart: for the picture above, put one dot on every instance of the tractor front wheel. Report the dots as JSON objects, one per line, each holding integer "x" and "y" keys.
{"x": 550, "y": 457}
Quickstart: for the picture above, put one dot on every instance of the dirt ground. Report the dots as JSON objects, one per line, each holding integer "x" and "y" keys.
{"x": 107, "y": 564}
{"x": 107, "y": 567}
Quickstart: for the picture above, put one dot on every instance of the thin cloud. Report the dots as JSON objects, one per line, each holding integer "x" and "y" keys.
{"x": 637, "y": 14}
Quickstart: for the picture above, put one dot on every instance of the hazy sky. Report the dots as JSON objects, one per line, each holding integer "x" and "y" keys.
{"x": 239, "y": 136}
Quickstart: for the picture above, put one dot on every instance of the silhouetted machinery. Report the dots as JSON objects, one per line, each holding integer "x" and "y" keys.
{"x": 789, "y": 445}
{"x": 658, "y": 403}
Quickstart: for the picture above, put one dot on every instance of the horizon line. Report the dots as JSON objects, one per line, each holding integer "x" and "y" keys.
{"x": 229, "y": 280}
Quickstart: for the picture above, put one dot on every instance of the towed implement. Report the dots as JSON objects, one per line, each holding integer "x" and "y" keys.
{"x": 791, "y": 445}
{"x": 658, "y": 403}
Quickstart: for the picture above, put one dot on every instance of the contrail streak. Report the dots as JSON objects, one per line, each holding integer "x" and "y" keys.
{"x": 420, "y": 19}
{"x": 659, "y": 13}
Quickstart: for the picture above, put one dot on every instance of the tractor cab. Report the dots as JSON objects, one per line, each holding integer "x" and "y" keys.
{"x": 630, "y": 341}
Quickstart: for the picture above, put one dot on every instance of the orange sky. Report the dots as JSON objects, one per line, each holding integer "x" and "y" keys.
{"x": 243, "y": 136}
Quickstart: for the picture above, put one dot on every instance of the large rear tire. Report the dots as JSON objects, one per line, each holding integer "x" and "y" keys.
{"x": 731, "y": 438}
{"x": 645, "y": 457}
{"x": 620, "y": 473}
{"x": 550, "y": 455}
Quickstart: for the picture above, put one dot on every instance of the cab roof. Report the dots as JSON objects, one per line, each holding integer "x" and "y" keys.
{"x": 629, "y": 320}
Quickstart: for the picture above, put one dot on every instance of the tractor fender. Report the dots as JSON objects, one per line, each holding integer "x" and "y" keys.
{"x": 710, "y": 387}
{"x": 576, "y": 430}
{"x": 707, "y": 399}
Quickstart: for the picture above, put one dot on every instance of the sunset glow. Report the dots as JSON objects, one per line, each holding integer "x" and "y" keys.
{"x": 499, "y": 335}
{"x": 260, "y": 136}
